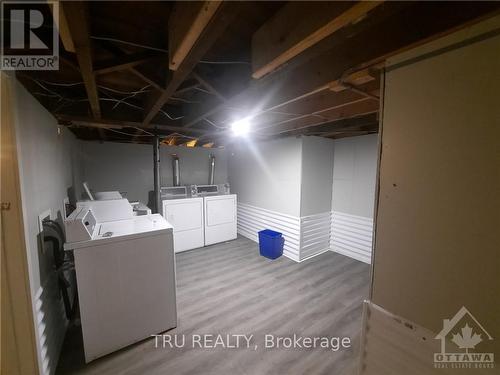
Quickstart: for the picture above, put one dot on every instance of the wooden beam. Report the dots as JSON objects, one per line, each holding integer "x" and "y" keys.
{"x": 187, "y": 22}
{"x": 297, "y": 27}
{"x": 64, "y": 32}
{"x": 76, "y": 16}
{"x": 324, "y": 103}
{"x": 124, "y": 62}
{"x": 77, "y": 19}
{"x": 182, "y": 90}
{"x": 117, "y": 124}
{"x": 209, "y": 87}
{"x": 136, "y": 70}
{"x": 351, "y": 110}
{"x": 224, "y": 15}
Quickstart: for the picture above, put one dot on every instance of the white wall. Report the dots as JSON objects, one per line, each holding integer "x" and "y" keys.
{"x": 438, "y": 240}
{"x": 49, "y": 165}
{"x": 354, "y": 175}
{"x": 268, "y": 174}
{"x": 353, "y": 196}
{"x": 129, "y": 167}
{"x": 285, "y": 185}
{"x": 317, "y": 174}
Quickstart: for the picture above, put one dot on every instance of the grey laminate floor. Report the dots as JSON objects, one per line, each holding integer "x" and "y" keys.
{"x": 229, "y": 289}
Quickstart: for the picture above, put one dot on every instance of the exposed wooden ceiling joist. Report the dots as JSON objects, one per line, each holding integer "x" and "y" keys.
{"x": 209, "y": 87}
{"x": 116, "y": 124}
{"x": 185, "y": 25}
{"x": 123, "y": 62}
{"x": 77, "y": 19}
{"x": 297, "y": 27}
{"x": 351, "y": 110}
{"x": 64, "y": 32}
{"x": 135, "y": 70}
{"x": 211, "y": 32}
{"x": 75, "y": 15}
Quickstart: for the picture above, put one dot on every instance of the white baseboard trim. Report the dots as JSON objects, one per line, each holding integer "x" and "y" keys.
{"x": 351, "y": 235}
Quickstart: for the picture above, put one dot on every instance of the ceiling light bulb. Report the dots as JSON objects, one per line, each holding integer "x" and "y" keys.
{"x": 241, "y": 127}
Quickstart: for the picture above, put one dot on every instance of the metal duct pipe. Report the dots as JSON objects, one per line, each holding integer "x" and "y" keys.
{"x": 176, "y": 173}
{"x": 156, "y": 174}
{"x": 211, "y": 170}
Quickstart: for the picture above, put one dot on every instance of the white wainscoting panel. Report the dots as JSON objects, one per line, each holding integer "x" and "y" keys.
{"x": 51, "y": 324}
{"x": 315, "y": 234}
{"x": 252, "y": 219}
{"x": 352, "y": 236}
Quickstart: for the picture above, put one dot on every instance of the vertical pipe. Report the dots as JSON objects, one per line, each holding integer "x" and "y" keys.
{"x": 211, "y": 170}
{"x": 176, "y": 177}
{"x": 156, "y": 174}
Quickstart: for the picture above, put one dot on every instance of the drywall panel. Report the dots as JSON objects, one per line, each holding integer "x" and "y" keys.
{"x": 317, "y": 173}
{"x": 129, "y": 167}
{"x": 437, "y": 238}
{"x": 267, "y": 175}
{"x": 354, "y": 175}
{"x": 49, "y": 171}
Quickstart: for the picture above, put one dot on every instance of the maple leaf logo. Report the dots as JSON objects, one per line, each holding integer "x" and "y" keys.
{"x": 466, "y": 340}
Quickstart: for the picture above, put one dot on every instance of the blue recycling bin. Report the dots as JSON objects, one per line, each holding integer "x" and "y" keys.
{"x": 271, "y": 243}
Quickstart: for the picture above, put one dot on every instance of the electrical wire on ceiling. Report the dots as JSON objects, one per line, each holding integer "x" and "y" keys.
{"x": 67, "y": 101}
{"x": 184, "y": 100}
{"x": 215, "y": 125}
{"x": 65, "y": 84}
{"x": 203, "y": 90}
{"x": 109, "y": 39}
{"x": 128, "y": 43}
{"x": 125, "y": 92}
{"x": 224, "y": 62}
{"x": 170, "y": 117}
{"x": 131, "y": 135}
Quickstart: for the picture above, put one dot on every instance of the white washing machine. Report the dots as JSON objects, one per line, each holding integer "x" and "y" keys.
{"x": 186, "y": 216}
{"x": 220, "y": 218}
{"x": 126, "y": 279}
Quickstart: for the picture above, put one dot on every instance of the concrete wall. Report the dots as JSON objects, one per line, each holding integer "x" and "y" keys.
{"x": 129, "y": 167}
{"x": 50, "y": 170}
{"x": 354, "y": 175}
{"x": 268, "y": 174}
{"x": 437, "y": 239}
{"x": 317, "y": 172}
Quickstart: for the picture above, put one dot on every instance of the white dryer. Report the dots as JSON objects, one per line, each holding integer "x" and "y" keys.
{"x": 220, "y": 218}
{"x": 126, "y": 279}
{"x": 186, "y": 216}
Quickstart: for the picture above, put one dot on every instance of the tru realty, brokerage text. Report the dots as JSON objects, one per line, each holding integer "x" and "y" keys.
{"x": 250, "y": 341}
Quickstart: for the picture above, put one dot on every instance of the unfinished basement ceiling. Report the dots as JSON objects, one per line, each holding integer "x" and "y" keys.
{"x": 245, "y": 59}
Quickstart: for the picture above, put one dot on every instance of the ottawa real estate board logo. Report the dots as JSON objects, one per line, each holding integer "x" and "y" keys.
{"x": 459, "y": 337}
{"x": 29, "y": 35}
